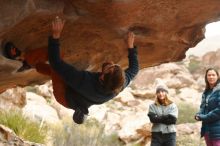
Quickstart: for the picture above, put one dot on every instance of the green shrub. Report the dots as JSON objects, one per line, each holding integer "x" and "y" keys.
{"x": 186, "y": 113}
{"x": 23, "y": 127}
{"x": 194, "y": 65}
{"x": 31, "y": 89}
{"x": 91, "y": 133}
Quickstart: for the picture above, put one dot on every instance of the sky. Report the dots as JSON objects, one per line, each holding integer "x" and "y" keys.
{"x": 210, "y": 43}
{"x": 213, "y": 29}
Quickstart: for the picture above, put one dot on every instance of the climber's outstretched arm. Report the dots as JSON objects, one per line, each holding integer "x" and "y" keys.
{"x": 68, "y": 73}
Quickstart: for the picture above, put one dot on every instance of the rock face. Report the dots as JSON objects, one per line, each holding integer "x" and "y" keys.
{"x": 212, "y": 59}
{"x": 13, "y": 98}
{"x": 95, "y": 30}
{"x": 8, "y": 137}
{"x": 126, "y": 114}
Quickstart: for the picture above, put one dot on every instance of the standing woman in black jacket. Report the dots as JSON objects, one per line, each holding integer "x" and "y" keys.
{"x": 209, "y": 112}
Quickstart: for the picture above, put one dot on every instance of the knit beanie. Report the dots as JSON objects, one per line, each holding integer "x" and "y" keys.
{"x": 160, "y": 85}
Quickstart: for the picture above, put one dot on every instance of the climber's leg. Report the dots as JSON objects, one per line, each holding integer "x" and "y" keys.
{"x": 35, "y": 56}
{"x": 43, "y": 68}
{"x": 57, "y": 82}
{"x": 59, "y": 88}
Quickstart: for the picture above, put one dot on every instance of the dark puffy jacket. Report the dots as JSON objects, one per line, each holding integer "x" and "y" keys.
{"x": 83, "y": 87}
{"x": 210, "y": 113}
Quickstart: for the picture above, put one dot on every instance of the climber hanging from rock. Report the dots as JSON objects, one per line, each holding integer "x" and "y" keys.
{"x": 84, "y": 88}
{"x": 74, "y": 88}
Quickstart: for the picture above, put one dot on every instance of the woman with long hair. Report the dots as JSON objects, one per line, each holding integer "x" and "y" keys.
{"x": 163, "y": 115}
{"x": 209, "y": 112}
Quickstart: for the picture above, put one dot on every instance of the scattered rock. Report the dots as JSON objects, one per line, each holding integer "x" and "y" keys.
{"x": 9, "y": 138}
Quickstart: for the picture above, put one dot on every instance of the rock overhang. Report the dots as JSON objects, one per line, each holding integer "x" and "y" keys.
{"x": 95, "y": 31}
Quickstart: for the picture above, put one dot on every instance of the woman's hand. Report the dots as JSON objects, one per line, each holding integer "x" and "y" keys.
{"x": 197, "y": 118}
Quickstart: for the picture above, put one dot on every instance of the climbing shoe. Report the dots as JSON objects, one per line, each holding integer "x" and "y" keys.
{"x": 11, "y": 51}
